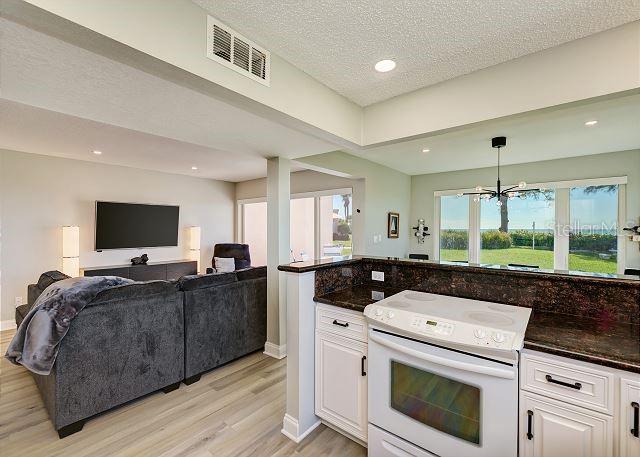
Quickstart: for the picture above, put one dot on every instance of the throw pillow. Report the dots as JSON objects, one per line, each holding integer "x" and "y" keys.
{"x": 225, "y": 264}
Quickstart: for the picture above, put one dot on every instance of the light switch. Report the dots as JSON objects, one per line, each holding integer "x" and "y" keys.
{"x": 377, "y": 275}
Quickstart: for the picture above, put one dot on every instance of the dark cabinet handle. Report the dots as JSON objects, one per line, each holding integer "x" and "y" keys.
{"x": 364, "y": 373}
{"x": 575, "y": 385}
{"x": 636, "y": 413}
{"x": 529, "y": 424}
{"x": 335, "y": 322}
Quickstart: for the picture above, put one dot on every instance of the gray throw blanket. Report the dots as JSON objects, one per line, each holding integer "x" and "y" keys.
{"x": 35, "y": 345}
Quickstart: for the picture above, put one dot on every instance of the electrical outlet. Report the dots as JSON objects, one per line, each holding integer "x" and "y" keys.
{"x": 377, "y": 295}
{"x": 19, "y": 301}
{"x": 377, "y": 275}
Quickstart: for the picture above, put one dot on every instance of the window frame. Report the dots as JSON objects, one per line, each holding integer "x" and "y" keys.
{"x": 562, "y": 218}
{"x": 316, "y": 202}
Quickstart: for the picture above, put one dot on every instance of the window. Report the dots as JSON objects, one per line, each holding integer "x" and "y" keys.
{"x": 335, "y": 225}
{"x": 568, "y": 225}
{"x": 593, "y": 240}
{"x": 520, "y": 231}
{"x": 320, "y": 225}
{"x": 302, "y": 229}
{"x": 454, "y": 228}
{"x": 254, "y": 231}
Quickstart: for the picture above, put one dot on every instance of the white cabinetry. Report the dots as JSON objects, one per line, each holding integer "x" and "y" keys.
{"x": 629, "y": 416}
{"x": 557, "y": 429}
{"x": 341, "y": 370}
{"x": 570, "y": 408}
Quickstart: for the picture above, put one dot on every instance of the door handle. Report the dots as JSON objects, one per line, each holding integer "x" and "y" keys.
{"x": 362, "y": 371}
{"x": 345, "y": 325}
{"x": 465, "y": 366}
{"x": 636, "y": 412}
{"x": 575, "y": 385}
{"x": 529, "y": 424}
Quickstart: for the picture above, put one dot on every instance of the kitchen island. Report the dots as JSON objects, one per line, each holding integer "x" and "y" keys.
{"x": 590, "y": 318}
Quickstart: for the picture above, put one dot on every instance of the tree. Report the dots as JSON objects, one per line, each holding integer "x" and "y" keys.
{"x": 346, "y": 201}
{"x": 504, "y": 209}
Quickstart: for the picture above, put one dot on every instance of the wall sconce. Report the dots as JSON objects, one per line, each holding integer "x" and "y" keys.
{"x": 71, "y": 251}
{"x": 194, "y": 245}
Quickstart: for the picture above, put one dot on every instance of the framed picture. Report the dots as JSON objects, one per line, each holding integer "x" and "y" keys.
{"x": 393, "y": 225}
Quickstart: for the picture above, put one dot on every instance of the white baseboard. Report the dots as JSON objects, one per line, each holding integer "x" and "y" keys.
{"x": 7, "y": 325}
{"x": 275, "y": 351}
{"x": 290, "y": 429}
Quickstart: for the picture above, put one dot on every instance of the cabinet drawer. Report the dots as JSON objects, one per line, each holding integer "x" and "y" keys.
{"x": 350, "y": 324}
{"x": 573, "y": 383}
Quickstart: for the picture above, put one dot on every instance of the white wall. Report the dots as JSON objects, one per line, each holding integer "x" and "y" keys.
{"x": 625, "y": 163}
{"x": 301, "y": 182}
{"x": 39, "y": 194}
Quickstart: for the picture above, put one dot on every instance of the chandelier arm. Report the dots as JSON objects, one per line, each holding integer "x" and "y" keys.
{"x": 510, "y": 188}
{"x": 488, "y": 192}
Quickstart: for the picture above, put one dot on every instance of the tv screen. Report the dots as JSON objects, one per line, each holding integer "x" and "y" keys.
{"x": 133, "y": 225}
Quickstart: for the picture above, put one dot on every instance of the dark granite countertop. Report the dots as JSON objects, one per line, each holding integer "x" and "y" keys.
{"x": 319, "y": 264}
{"x": 608, "y": 343}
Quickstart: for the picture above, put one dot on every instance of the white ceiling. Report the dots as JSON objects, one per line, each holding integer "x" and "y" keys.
{"x": 153, "y": 114}
{"x": 338, "y": 42}
{"x": 531, "y": 137}
{"x": 35, "y": 130}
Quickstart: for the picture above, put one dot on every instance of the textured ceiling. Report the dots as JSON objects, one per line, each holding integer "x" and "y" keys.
{"x": 43, "y": 72}
{"x": 338, "y": 42}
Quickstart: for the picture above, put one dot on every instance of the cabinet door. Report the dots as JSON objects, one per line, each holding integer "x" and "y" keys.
{"x": 629, "y": 417}
{"x": 550, "y": 428}
{"x": 341, "y": 383}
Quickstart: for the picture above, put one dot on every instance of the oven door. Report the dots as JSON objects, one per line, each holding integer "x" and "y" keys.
{"x": 447, "y": 402}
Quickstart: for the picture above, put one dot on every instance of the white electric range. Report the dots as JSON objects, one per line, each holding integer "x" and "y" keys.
{"x": 443, "y": 376}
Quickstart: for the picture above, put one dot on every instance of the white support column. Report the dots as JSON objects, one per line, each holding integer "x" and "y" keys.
{"x": 300, "y": 418}
{"x": 475, "y": 240}
{"x": 278, "y": 252}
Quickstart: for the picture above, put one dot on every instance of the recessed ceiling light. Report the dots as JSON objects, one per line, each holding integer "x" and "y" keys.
{"x": 591, "y": 123}
{"x": 385, "y": 65}
{"x": 194, "y": 168}
{"x": 97, "y": 152}
{"x": 425, "y": 150}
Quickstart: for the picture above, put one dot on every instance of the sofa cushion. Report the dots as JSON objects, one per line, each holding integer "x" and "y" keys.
{"x": 251, "y": 273}
{"x": 49, "y": 277}
{"x": 135, "y": 290}
{"x": 21, "y": 312}
{"x": 193, "y": 282}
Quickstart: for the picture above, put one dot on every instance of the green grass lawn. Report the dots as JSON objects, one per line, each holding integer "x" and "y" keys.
{"x": 528, "y": 256}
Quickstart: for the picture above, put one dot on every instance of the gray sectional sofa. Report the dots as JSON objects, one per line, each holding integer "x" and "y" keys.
{"x": 136, "y": 339}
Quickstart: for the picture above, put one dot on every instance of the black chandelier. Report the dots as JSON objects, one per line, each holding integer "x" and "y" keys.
{"x": 508, "y": 193}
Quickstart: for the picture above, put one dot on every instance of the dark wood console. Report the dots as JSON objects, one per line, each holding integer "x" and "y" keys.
{"x": 153, "y": 270}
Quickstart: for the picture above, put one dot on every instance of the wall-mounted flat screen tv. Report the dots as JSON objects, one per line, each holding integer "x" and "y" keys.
{"x": 134, "y": 225}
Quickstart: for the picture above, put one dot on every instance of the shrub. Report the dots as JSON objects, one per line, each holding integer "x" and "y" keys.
{"x": 494, "y": 239}
{"x": 525, "y": 238}
{"x": 595, "y": 242}
{"x": 454, "y": 239}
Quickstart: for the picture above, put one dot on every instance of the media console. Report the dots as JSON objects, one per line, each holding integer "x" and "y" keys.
{"x": 152, "y": 270}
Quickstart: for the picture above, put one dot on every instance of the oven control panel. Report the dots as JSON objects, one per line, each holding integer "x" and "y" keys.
{"x": 458, "y": 332}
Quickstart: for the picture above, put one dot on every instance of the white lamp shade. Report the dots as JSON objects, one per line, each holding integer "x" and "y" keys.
{"x": 71, "y": 241}
{"x": 71, "y": 266}
{"x": 194, "y": 238}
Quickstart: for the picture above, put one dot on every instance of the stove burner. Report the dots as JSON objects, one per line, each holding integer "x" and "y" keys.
{"x": 484, "y": 317}
{"x": 421, "y": 297}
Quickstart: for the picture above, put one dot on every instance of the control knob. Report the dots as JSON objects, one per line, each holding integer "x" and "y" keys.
{"x": 378, "y": 312}
{"x": 498, "y": 337}
{"x": 479, "y": 333}
{"x": 390, "y": 314}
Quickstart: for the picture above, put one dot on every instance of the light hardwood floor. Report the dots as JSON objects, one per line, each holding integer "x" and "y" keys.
{"x": 235, "y": 410}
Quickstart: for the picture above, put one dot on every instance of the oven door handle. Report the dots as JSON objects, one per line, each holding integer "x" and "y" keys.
{"x": 490, "y": 371}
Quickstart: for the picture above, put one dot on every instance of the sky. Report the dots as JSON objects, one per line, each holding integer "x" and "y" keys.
{"x": 337, "y": 204}
{"x": 585, "y": 210}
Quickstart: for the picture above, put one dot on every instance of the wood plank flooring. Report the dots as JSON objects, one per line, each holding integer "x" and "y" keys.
{"x": 235, "y": 410}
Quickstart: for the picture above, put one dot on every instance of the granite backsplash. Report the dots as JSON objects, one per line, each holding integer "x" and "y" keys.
{"x": 597, "y": 298}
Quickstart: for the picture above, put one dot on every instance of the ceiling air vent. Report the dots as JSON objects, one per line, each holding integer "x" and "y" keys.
{"x": 234, "y": 51}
